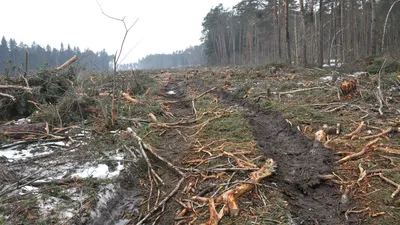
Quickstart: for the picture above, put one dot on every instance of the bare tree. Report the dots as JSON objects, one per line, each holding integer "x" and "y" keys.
{"x": 386, "y": 21}
{"x": 373, "y": 27}
{"x": 117, "y": 58}
{"x": 304, "y": 33}
{"x": 321, "y": 36}
{"x": 118, "y": 53}
{"x": 289, "y": 55}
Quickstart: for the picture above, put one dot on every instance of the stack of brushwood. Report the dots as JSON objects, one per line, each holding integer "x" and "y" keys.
{"x": 23, "y": 95}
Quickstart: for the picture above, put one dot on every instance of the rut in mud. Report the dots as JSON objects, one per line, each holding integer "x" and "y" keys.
{"x": 300, "y": 162}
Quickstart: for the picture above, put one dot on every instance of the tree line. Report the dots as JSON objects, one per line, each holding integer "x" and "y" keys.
{"x": 304, "y": 32}
{"x": 13, "y": 57}
{"x": 192, "y": 56}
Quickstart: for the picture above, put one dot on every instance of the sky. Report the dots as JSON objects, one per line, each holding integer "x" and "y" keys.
{"x": 163, "y": 26}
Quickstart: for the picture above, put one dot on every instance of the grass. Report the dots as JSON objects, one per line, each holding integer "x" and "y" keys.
{"x": 233, "y": 128}
{"x": 236, "y": 129}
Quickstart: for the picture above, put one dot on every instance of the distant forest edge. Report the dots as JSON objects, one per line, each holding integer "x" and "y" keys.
{"x": 192, "y": 56}
{"x": 12, "y": 57}
{"x": 303, "y": 32}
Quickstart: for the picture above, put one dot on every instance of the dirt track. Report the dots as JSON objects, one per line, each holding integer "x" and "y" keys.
{"x": 300, "y": 162}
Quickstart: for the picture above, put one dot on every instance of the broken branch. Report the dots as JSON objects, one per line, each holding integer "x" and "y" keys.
{"x": 356, "y": 131}
{"x": 368, "y": 147}
{"x": 68, "y": 62}
{"x": 392, "y": 183}
{"x": 229, "y": 198}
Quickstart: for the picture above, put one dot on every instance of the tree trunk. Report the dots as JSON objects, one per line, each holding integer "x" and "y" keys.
{"x": 279, "y": 30}
{"x": 373, "y": 27}
{"x": 304, "y": 33}
{"x": 296, "y": 44}
{"x": 289, "y": 55}
{"x": 342, "y": 28}
{"x": 321, "y": 36}
{"x": 384, "y": 26}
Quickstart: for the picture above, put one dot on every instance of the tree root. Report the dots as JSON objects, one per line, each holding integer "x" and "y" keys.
{"x": 397, "y": 191}
{"x": 355, "y": 132}
{"x": 368, "y": 147}
{"x": 383, "y": 133}
{"x": 229, "y": 198}
{"x": 389, "y": 150}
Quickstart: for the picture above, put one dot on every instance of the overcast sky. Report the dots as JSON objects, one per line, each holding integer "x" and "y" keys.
{"x": 163, "y": 27}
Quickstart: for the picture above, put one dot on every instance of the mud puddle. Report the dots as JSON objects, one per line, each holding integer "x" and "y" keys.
{"x": 300, "y": 162}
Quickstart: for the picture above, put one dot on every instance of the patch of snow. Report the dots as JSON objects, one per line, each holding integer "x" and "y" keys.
{"x": 67, "y": 214}
{"x": 61, "y": 143}
{"x": 326, "y": 79}
{"x": 13, "y": 154}
{"x": 23, "y": 121}
{"x": 358, "y": 74}
{"x": 171, "y": 92}
{"x": 332, "y": 64}
{"x": 122, "y": 222}
{"x": 51, "y": 205}
{"x": 47, "y": 206}
{"x": 289, "y": 95}
{"x": 99, "y": 171}
{"x": 28, "y": 189}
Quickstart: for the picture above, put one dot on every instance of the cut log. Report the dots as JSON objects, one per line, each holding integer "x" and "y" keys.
{"x": 67, "y": 63}
{"x": 20, "y": 130}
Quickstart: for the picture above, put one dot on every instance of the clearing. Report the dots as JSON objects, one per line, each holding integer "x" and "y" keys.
{"x": 234, "y": 145}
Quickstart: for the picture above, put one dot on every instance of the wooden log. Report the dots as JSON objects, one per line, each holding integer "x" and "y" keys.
{"x": 67, "y": 63}
{"x": 19, "y": 130}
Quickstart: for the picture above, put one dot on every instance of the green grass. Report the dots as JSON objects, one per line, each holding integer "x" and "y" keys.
{"x": 234, "y": 128}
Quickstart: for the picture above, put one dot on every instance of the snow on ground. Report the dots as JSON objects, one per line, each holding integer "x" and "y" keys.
{"x": 98, "y": 171}
{"x": 14, "y": 153}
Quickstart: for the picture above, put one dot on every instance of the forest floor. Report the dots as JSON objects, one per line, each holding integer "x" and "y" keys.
{"x": 187, "y": 150}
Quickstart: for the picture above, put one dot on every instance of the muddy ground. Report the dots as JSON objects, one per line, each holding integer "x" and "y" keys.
{"x": 301, "y": 162}
{"x": 93, "y": 177}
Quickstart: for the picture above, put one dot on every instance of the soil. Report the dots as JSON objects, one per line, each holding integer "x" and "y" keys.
{"x": 300, "y": 162}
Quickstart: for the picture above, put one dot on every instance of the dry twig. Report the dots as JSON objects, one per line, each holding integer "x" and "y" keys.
{"x": 368, "y": 147}
{"x": 397, "y": 191}
{"x": 229, "y": 198}
{"x": 356, "y": 131}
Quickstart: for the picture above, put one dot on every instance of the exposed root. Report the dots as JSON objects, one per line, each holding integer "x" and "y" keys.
{"x": 389, "y": 150}
{"x": 348, "y": 212}
{"x": 368, "y": 147}
{"x": 397, "y": 191}
{"x": 376, "y": 135}
{"x": 229, "y": 198}
{"x": 129, "y": 98}
{"x": 355, "y": 132}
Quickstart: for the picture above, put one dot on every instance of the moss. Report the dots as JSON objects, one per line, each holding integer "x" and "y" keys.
{"x": 233, "y": 128}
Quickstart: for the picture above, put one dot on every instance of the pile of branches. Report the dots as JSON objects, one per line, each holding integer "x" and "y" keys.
{"x": 20, "y": 96}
